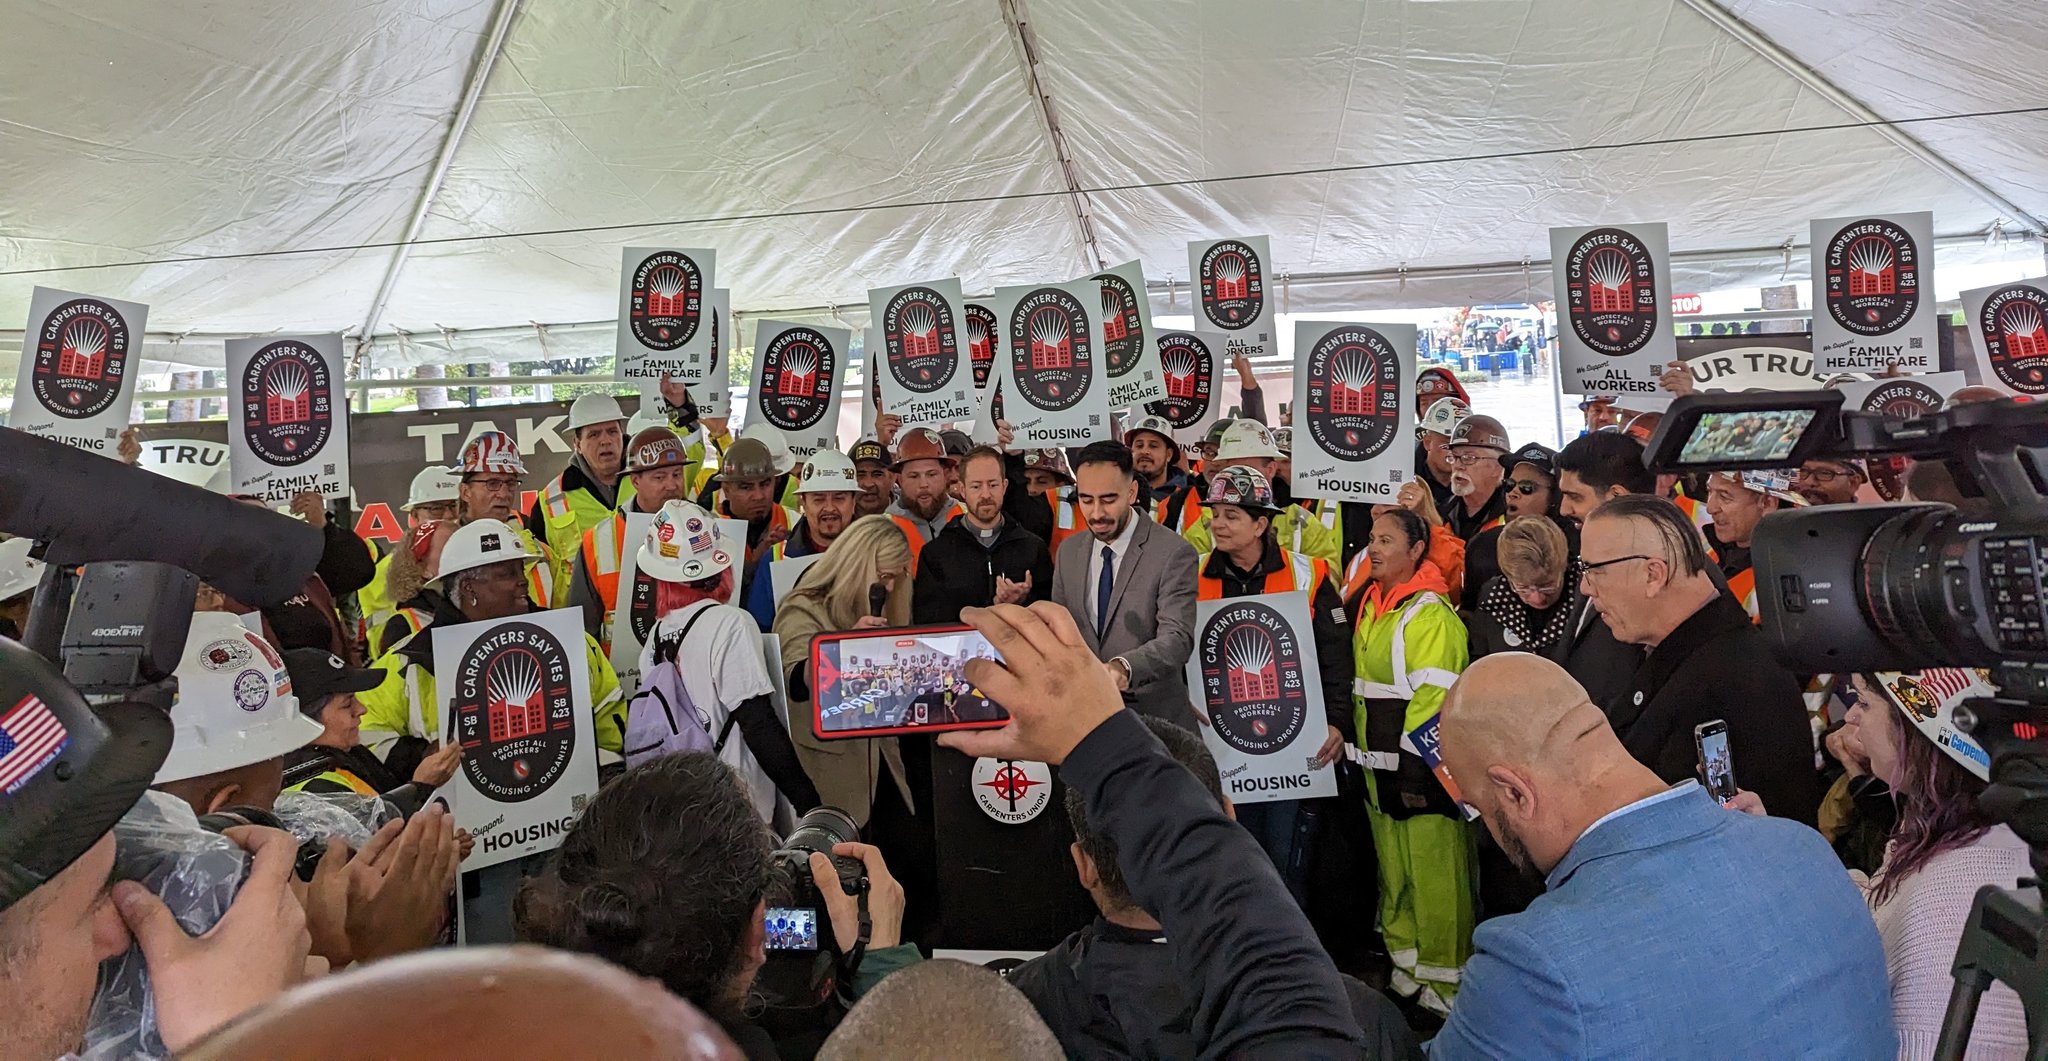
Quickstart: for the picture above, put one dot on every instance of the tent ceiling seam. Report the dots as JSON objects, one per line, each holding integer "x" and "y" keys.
{"x": 458, "y": 125}
{"x": 1070, "y": 174}
{"x": 1777, "y": 55}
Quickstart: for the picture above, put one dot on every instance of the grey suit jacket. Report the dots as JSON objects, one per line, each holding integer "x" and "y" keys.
{"x": 1151, "y": 614}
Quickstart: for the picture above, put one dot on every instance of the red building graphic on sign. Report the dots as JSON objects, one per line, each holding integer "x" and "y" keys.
{"x": 666, "y": 292}
{"x": 83, "y": 351}
{"x": 2021, "y": 323}
{"x": 1611, "y": 286}
{"x": 978, "y": 345}
{"x": 1052, "y": 345}
{"x": 285, "y": 399}
{"x": 799, "y": 371}
{"x": 1353, "y": 392}
{"x": 1251, "y": 672}
{"x": 1179, "y": 367}
{"x": 515, "y": 707}
{"x": 920, "y": 332}
{"x": 1231, "y": 271}
{"x": 1114, "y": 327}
{"x": 1871, "y": 268}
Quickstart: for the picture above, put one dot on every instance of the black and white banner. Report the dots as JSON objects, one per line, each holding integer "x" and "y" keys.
{"x": 516, "y": 694}
{"x": 797, "y": 369}
{"x": 1128, "y": 348}
{"x": 1231, "y": 281}
{"x": 2008, "y": 337}
{"x": 1869, "y": 277}
{"x": 665, "y": 318}
{"x": 1614, "y": 331}
{"x": 1260, "y": 695}
{"x": 1055, "y": 382}
{"x": 1354, "y": 409}
{"x": 714, "y": 395}
{"x": 1906, "y": 396}
{"x": 1187, "y": 363}
{"x": 288, "y": 417}
{"x": 920, "y": 354}
{"x": 77, "y": 381}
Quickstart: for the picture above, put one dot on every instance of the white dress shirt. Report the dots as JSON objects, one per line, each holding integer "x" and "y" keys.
{"x": 1118, "y": 549}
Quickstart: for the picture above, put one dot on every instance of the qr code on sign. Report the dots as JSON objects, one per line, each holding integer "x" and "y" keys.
{"x": 1914, "y": 342}
{"x": 1394, "y": 476}
{"x": 1094, "y": 420}
{"x": 327, "y": 469}
{"x": 577, "y": 801}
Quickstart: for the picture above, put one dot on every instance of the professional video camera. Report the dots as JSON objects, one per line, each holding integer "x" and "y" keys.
{"x": 805, "y": 963}
{"x": 1849, "y": 588}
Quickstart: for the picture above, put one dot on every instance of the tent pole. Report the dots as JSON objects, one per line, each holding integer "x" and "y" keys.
{"x": 472, "y": 93}
{"x": 1070, "y": 172}
{"x": 1756, "y": 41}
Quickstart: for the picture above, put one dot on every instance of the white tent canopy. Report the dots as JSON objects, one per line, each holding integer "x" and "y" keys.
{"x": 139, "y": 132}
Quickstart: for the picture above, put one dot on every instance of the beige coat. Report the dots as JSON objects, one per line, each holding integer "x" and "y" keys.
{"x": 845, "y": 771}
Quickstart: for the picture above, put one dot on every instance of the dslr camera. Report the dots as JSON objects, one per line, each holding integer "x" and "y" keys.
{"x": 1904, "y": 587}
{"x": 805, "y": 963}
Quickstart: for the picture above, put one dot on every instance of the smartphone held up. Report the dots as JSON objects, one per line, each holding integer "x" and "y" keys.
{"x": 1716, "y": 766}
{"x": 875, "y": 683}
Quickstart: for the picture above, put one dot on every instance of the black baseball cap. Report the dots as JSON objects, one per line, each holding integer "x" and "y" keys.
{"x": 868, "y": 449}
{"x": 318, "y": 674}
{"x": 1542, "y": 457}
{"x": 68, "y": 770}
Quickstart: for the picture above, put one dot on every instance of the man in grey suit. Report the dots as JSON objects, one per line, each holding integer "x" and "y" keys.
{"x": 1130, "y": 586}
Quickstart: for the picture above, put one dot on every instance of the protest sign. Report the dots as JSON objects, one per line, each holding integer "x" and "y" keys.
{"x": 783, "y": 574}
{"x": 1869, "y": 276}
{"x": 981, "y": 341}
{"x": 1187, "y": 363}
{"x": 2007, "y": 336}
{"x": 289, "y": 416}
{"x": 920, "y": 354}
{"x": 714, "y": 395}
{"x": 797, "y": 368}
{"x": 1260, "y": 696}
{"x": 1057, "y": 387}
{"x": 515, "y": 693}
{"x": 78, "y": 362}
{"x": 1128, "y": 349}
{"x": 1902, "y": 395}
{"x": 1614, "y": 311}
{"x": 632, "y": 616}
{"x": 665, "y": 314}
{"x": 1354, "y": 409}
{"x": 1230, "y": 278}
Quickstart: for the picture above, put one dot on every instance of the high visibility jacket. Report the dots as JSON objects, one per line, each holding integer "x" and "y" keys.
{"x": 604, "y": 550}
{"x": 374, "y": 600}
{"x": 1743, "y": 585}
{"x": 376, "y": 642}
{"x": 1701, "y": 520}
{"x": 1407, "y": 645}
{"x": 1446, "y": 551}
{"x": 406, "y": 705}
{"x": 1326, "y": 512}
{"x": 1297, "y": 572}
{"x": 916, "y": 536}
{"x": 1066, "y": 516}
{"x": 1185, "y": 513}
{"x": 542, "y": 587}
{"x": 566, "y": 513}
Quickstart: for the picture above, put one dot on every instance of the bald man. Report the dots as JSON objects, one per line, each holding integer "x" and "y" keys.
{"x": 1671, "y": 927}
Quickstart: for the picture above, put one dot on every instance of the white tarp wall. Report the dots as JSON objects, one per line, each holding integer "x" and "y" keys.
{"x": 144, "y": 132}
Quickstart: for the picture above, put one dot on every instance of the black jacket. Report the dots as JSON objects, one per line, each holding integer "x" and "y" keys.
{"x": 1482, "y": 554}
{"x": 1717, "y": 665}
{"x": 1257, "y": 981}
{"x": 1591, "y": 655}
{"x": 955, "y": 572}
{"x": 1327, "y": 618}
{"x": 1112, "y": 992}
{"x": 1467, "y": 526}
{"x": 1439, "y": 492}
{"x": 1499, "y": 620}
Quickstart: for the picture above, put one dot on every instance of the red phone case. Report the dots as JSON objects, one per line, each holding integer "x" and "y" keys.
{"x": 818, "y": 667}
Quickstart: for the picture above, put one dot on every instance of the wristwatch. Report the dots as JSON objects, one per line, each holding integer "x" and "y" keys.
{"x": 1126, "y": 665}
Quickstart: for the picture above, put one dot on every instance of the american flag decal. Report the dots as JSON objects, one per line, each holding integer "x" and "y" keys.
{"x": 30, "y": 736}
{"x": 1942, "y": 684}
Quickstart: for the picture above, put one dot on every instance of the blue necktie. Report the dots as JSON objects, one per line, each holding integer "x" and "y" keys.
{"x": 1103, "y": 586}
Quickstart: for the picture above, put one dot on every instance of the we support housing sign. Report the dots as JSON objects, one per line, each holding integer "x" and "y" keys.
{"x": 1613, "y": 288}
{"x": 288, "y": 417}
{"x": 920, "y": 351}
{"x": 665, "y": 318}
{"x": 1354, "y": 409}
{"x": 1873, "y": 293}
{"x": 1257, "y": 684}
{"x": 78, "y": 362}
{"x": 797, "y": 369}
{"x": 1055, "y": 381}
{"x": 1231, "y": 280}
{"x": 515, "y": 693}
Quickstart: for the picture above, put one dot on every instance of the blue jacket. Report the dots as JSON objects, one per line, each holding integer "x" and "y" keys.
{"x": 1679, "y": 929}
{"x": 761, "y": 589}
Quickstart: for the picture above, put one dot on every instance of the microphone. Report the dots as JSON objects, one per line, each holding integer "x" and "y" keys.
{"x": 878, "y": 597}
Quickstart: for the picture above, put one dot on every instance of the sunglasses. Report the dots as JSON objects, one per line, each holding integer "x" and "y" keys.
{"x": 1525, "y": 487}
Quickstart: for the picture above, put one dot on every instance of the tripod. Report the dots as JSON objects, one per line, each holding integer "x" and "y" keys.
{"x": 2006, "y": 937}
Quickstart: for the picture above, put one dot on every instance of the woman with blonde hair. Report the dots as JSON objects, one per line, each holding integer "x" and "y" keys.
{"x": 832, "y": 596}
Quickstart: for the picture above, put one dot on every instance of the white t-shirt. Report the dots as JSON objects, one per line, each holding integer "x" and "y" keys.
{"x": 721, "y": 667}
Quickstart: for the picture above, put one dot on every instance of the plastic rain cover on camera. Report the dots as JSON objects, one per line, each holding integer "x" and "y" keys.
{"x": 160, "y": 845}
{"x": 325, "y": 815}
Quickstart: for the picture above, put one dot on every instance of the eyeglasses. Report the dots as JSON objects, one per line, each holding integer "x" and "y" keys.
{"x": 1818, "y": 475}
{"x": 1525, "y": 487}
{"x": 1466, "y": 460}
{"x": 496, "y": 486}
{"x": 1532, "y": 591}
{"x": 1590, "y": 568}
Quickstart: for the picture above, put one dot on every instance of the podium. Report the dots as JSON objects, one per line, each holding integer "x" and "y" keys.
{"x": 1006, "y": 881}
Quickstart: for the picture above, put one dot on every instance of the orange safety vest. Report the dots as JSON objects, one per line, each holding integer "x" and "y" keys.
{"x": 1497, "y": 521}
{"x": 1178, "y": 519}
{"x": 1066, "y": 518}
{"x": 1296, "y": 571}
{"x": 604, "y": 547}
{"x": 1743, "y": 585}
{"x": 916, "y": 536}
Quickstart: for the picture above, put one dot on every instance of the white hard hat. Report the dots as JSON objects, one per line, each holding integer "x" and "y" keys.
{"x": 19, "y": 573}
{"x": 478, "y": 543}
{"x": 684, "y": 545}
{"x": 432, "y": 485}
{"x": 235, "y": 705}
{"x": 594, "y": 408}
{"x": 1443, "y": 417}
{"x": 778, "y": 447}
{"x": 826, "y": 472}
{"x": 1246, "y": 440}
